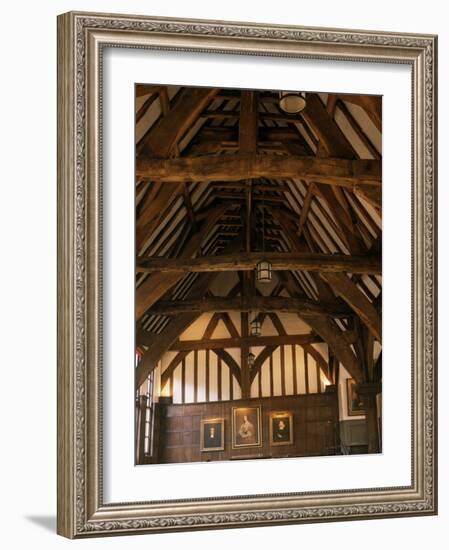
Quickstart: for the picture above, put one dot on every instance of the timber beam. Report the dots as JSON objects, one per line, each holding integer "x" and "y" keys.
{"x": 280, "y": 261}
{"x": 262, "y": 304}
{"x": 229, "y": 343}
{"x": 332, "y": 171}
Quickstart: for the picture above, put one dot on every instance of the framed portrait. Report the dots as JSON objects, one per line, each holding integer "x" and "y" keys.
{"x": 246, "y": 427}
{"x": 354, "y": 400}
{"x": 246, "y": 219}
{"x": 212, "y": 434}
{"x": 281, "y": 428}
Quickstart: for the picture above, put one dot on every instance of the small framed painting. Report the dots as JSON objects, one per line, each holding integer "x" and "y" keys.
{"x": 355, "y": 403}
{"x": 246, "y": 427}
{"x": 281, "y": 428}
{"x": 212, "y": 434}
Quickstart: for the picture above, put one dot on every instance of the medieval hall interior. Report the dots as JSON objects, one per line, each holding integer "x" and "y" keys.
{"x": 258, "y": 274}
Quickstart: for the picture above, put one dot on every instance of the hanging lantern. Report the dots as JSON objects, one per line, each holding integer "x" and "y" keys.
{"x": 292, "y": 102}
{"x": 256, "y": 327}
{"x": 264, "y": 267}
{"x": 264, "y": 271}
{"x": 251, "y": 358}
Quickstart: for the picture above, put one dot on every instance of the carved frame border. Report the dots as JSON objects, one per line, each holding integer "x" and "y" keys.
{"x": 81, "y": 37}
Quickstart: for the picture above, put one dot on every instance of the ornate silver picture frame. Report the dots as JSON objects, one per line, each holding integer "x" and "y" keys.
{"x": 82, "y": 509}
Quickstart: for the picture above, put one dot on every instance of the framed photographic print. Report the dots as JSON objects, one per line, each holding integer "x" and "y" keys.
{"x": 246, "y": 220}
{"x": 212, "y": 434}
{"x": 281, "y": 428}
{"x": 246, "y": 427}
{"x": 354, "y": 400}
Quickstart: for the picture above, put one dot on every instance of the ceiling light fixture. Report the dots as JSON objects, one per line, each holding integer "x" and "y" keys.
{"x": 256, "y": 327}
{"x": 292, "y": 102}
{"x": 264, "y": 267}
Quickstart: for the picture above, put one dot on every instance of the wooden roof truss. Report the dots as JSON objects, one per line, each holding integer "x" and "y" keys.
{"x": 214, "y": 167}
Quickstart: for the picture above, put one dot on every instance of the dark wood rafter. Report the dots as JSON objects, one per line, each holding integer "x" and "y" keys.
{"x": 327, "y": 130}
{"x": 342, "y": 218}
{"x": 283, "y": 339}
{"x": 357, "y": 129}
{"x": 265, "y": 354}
{"x": 229, "y": 343}
{"x": 177, "y": 359}
{"x": 231, "y": 363}
{"x": 229, "y": 324}
{"x": 271, "y": 346}
{"x": 372, "y": 105}
{"x": 181, "y": 356}
{"x": 156, "y": 286}
{"x": 319, "y": 359}
{"x": 168, "y": 130}
{"x": 245, "y": 304}
{"x": 334, "y": 143}
{"x": 146, "y": 105}
{"x": 177, "y": 326}
{"x": 164, "y": 100}
{"x": 162, "y": 342}
{"x": 188, "y": 205}
{"x": 160, "y": 142}
{"x": 306, "y": 207}
{"x": 330, "y": 332}
{"x": 281, "y": 261}
{"x": 207, "y": 168}
{"x": 355, "y": 298}
{"x": 331, "y": 171}
{"x": 324, "y": 292}
{"x": 211, "y": 326}
{"x": 153, "y": 212}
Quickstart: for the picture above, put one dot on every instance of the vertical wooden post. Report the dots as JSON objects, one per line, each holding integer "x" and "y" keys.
{"x": 335, "y": 444}
{"x": 271, "y": 376}
{"x": 219, "y": 379}
{"x": 368, "y": 394}
{"x": 195, "y": 376}
{"x": 207, "y": 374}
{"x": 246, "y": 381}
{"x": 140, "y": 431}
{"x": 183, "y": 381}
{"x": 231, "y": 385}
{"x": 156, "y": 435}
{"x": 283, "y": 389}
{"x": 295, "y": 374}
{"x": 248, "y": 127}
{"x": 318, "y": 378}
{"x": 306, "y": 370}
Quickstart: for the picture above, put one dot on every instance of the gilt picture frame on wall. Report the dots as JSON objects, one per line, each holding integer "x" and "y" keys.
{"x": 281, "y": 428}
{"x": 212, "y": 434}
{"x": 300, "y": 164}
{"x": 246, "y": 427}
{"x": 354, "y": 401}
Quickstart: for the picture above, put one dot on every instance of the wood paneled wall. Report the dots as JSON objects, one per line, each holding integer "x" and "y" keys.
{"x": 315, "y": 418}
